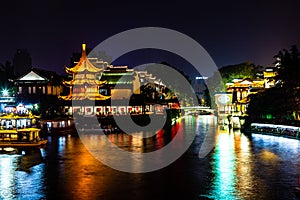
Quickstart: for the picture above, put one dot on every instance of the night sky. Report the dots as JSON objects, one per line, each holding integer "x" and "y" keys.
{"x": 231, "y": 31}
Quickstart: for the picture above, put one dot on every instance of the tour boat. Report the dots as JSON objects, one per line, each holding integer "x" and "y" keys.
{"x": 277, "y": 130}
{"x": 20, "y": 131}
{"x": 26, "y": 137}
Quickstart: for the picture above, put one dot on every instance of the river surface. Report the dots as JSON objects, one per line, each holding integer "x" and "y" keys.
{"x": 238, "y": 167}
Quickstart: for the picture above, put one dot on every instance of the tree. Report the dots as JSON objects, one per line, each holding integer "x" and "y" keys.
{"x": 231, "y": 72}
{"x": 7, "y": 69}
{"x": 7, "y": 74}
{"x": 288, "y": 67}
{"x": 280, "y": 104}
{"x": 239, "y": 71}
{"x": 173, "y": 88}
{"x": 149, "y": 93}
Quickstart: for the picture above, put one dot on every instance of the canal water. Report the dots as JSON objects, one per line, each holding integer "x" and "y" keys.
{"x": 238, "y": 167}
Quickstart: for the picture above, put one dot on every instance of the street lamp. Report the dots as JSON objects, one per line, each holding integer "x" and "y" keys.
{"x": 5, "y": 92}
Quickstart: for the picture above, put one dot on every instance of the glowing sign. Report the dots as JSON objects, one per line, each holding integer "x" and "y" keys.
{"x": 201, "y": 77}
{"x": 223, "y": 99}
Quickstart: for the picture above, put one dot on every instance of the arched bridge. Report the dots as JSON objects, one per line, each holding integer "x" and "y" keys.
{"x": 198, "y": 110}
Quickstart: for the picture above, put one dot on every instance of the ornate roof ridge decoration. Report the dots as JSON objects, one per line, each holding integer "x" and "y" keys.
{"x": 83, "y": 65}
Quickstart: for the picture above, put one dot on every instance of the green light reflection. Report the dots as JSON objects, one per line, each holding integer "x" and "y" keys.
{"x": 224, "y": 169}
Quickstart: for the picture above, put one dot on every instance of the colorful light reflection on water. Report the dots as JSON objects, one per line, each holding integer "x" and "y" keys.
{"x": 223, "y": 183}
{"x": 19, "y": 179}
{"x": 239, "y": 167}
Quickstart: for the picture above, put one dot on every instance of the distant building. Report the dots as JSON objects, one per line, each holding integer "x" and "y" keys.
{"x": 120, "y": 82}
{"x": 238, "y": 91}
{"x": 38, "y": 83}
{"x": 40, "y": 87}
{"x": 199, "y": 87}
{"x": 269, "y": 75}
{"x": 22, "y": 62}
{"x": 147, "y": 78}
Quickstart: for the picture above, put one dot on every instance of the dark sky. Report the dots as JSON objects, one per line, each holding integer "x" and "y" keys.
{"x": 231, "y": 31}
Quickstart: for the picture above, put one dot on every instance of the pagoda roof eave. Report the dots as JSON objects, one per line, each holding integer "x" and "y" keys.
{"x": 69, "y": 97}
{"x": 83, "y": 65}
{"x": 68, "y": 83}
{"x": 85, "y": 97}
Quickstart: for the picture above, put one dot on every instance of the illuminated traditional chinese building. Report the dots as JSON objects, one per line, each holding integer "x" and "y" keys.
{"x": 269, "y": 75}
{"x": 235, "y": 100}
{"x": 84, "y": 84}
{"x": 120, "y": 82}
{"x": 85, "y": 81}
{"x": 37, "y": 83}
{"x": 38, "y": 87}
{"x": 105, "y": 85}
{"x": 240, "y": 90}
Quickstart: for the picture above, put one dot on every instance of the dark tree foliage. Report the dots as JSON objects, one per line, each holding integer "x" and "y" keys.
{"x": 7, "y": 71}
{"x": 280, "y": 104}
{"x": 239, "y": 71}
{"x": 6, "y": 75}
{"x": 173, "y": 88}
{"x": 149, "y": 93}
{"x": 288, "y": 67}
